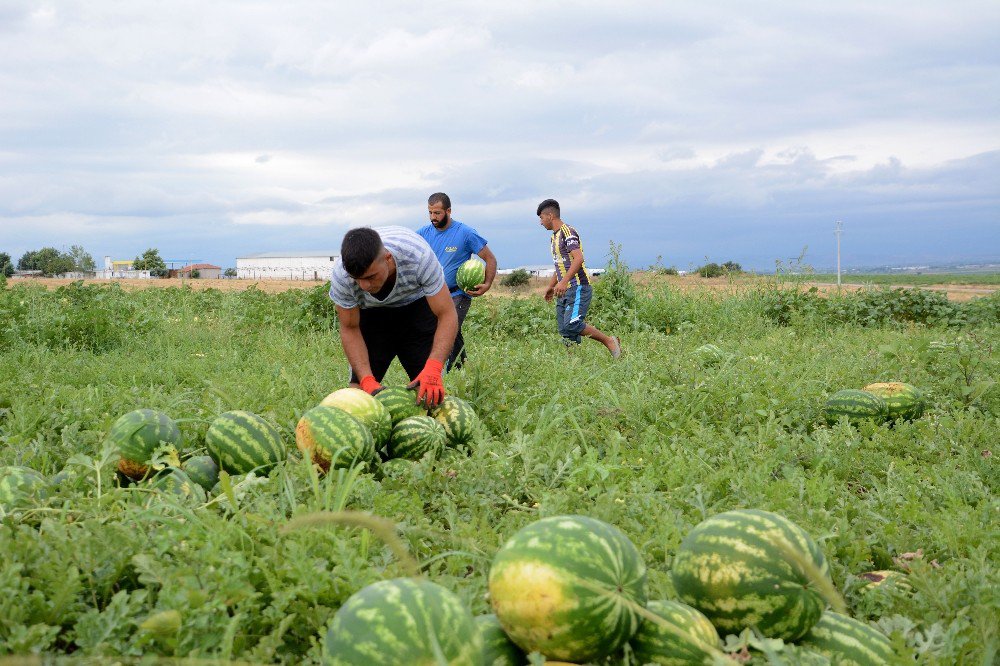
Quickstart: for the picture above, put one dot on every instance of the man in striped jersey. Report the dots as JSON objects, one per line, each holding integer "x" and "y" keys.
{"x": 570, "y": 284}
{"x": 392, "y": 301}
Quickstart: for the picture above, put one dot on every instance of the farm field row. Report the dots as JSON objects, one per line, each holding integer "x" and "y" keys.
{"x": 653, "y": 444}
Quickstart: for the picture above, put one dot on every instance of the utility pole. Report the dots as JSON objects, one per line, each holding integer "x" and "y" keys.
{"x": 838, "y": 229}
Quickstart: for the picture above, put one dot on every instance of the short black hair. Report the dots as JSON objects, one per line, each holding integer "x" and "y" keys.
{"x": 439, "y": 198}
{"x": 548, "y": 203}
{"x": 359, "y": 249}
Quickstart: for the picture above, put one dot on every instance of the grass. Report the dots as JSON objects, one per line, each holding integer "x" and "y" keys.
{"x": 914, "y": 279}
{"x": 653, "y": 443}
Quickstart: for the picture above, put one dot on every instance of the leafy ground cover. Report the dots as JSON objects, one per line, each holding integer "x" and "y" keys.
{"x": 653, "y": 444}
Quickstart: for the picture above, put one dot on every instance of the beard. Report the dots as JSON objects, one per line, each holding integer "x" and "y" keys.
{"x": 441, "y": 224}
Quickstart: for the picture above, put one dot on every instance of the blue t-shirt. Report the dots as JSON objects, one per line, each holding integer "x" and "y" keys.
{"x": 453, "y": 247}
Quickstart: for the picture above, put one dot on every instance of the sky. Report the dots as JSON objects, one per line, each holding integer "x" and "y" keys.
{"x": 681, "y": 131}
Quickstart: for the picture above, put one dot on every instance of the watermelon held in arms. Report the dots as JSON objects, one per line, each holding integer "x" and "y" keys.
{"x": 690, "y": 639}
{"x": 138, "y": 434}
{"x": 856, "y": 405}
{"x": 242, "y": 442}
{"x": 403, "y": 621}
{"x": 364, "y": 408}
{"x": 470, "y": 274}
{"x": 401, "y": 403}
{"x": 333, "y": 438}
{"x": 567, "y": 587}
{"x": 415, "y": 437}
{"x": 848, "y": 642}
{"x": 459, "y": 420}
{"x": 903, "y": 401}
{"x": 751, "y": 568}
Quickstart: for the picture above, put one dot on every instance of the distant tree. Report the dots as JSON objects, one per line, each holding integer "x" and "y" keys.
{"x": 195, "y": 274}
{"x": 6, "y": 265}
{"x": 150, "y": 261}
{"x": 732, "y": 267}
{"x": 230, "y": 272}
{"x": 516, "y": 278}
{"x": 710, "y": 270}
{"x": 48, "y": 260}
{"x": 82, "y": 261}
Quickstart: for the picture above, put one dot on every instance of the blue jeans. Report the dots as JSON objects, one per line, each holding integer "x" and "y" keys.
{"x": 571, "y": 312}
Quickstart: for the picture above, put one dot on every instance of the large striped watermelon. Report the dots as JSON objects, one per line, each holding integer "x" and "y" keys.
{"x": 138, "y": 435}
{"x": 203, "y": 470}
{"x": 333, "y": 438}
{"x": 241, "y": 441}
{"x": 856, "y": 405}
{"x": 459, "y": 420}
{"x": 565, "y": 586}
{"x": 18, "y": 483}
{"x": 691, "y": 638}
{"x": 364, "y": 408}
{"x": 401, "y": 403}
{"x": 416, "y": 436}
{"x": 848, "y": 642}
{"x": 403, "y": 621}
{"x": 498, "y": 649}
{"x": 177, "y": 482}
{"x": 470, "y": 274}
{"x": 903, "y": 401}
{"x": 751, "y": 568}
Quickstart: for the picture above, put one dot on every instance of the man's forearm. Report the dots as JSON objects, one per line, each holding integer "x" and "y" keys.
{"x": 444, "y": 336}
{"x": 355, "y": 350}
{"x": 491, "y": 269}
{"x": 574, "y": 268}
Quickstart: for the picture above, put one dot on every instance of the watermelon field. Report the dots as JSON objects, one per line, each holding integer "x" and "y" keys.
{"x": 715, "y": 418}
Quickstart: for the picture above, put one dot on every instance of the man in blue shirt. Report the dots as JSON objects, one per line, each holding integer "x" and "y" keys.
{"x": 453, "y": 243}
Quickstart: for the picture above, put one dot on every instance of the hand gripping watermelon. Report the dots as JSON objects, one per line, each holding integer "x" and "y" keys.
{"x": 470, "y": 274}
{"x": 567, "y": 587}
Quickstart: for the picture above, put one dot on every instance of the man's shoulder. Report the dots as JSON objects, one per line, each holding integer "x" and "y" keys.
{"x": 426, "y": 231}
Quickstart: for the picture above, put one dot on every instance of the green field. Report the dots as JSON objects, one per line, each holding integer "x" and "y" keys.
{"x": 915, "y": 279}
{"x": 653, "y": 443}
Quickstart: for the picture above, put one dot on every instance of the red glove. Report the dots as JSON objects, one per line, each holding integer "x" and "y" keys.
{"x": 370, "y": 385}
{"x": 430, "y": 389}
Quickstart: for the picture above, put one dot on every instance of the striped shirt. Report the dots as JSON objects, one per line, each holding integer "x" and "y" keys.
{"x": 418, "y": 273}
{"x": 565, "y": 240}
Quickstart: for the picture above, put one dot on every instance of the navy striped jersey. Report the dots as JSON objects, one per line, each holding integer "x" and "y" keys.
{"x": 418, "y": 273}
{"x": 564, "y": 241}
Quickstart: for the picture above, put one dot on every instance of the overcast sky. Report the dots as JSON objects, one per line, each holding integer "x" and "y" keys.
{"x": 729, "y": 130}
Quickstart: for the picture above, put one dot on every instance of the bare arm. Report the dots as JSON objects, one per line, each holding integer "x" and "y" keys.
{"x": 447, "y": 327}
{"x": 574, "y": 267}
{"x": 491, "y": 272}
{"x": 354, "y": 345}
{"x": 550, "y": 290}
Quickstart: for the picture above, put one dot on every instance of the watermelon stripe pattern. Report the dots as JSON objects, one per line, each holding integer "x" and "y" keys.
{"x": 401, "y": 403}
{"x": 176, "y": 482}
{"x": 470, "y": 274}
{"x": 856, "y": 405}
{"x": 364, "y": 408}
{"x": 848, "y": 642}
{"x": 903, "y": 401}
{"x": 242, "y": 442}
{"x": 690, "y": 642}
{"x": 498, "y": 649}
{"x": 415, "y": 437}
{"x": 138, "y": 434}
{"x": 403, "y": 621}
{"x": 202, "y": 470}
{"x": 17, "y": 483}
{"x": 333, "y": 438}
{"x": 459, "y": 420}
{"x": 736, "y": 569}
{"x": 561, "y": 586}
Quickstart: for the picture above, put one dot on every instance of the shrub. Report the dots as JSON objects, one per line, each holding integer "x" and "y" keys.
{"x": 519, "y": 277}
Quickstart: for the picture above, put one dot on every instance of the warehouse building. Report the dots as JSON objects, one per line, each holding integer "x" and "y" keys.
{"x": 314, "y": 265}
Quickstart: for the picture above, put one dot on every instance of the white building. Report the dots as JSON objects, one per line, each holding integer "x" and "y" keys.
{"x": 121, "y": 269}
{"x": 543, "y": 270}
{"x": 314, "y": 265}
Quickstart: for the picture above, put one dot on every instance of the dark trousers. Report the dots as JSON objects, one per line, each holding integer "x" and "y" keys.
{"x": 457, "y": 357}
{"x": 405, "y": 332}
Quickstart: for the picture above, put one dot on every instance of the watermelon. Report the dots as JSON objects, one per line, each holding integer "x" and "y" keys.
{"x": 241, "y": 441}
{"x": 693, "y": 640}
{"x": 470, "y": 274}
{"x": 403, "y": 621}
{"x": 18, "y": 483}
{"x": 365, "y": 408}
{"x": 566, "y": 586}
{"x": 333, "y": 438}
{"x": 459, "y": 420}
{"x": 885, "y": 580}
{"x": 415, "y": 437}
{"x": 856, "y": 405}
{"x": 401, "y": 403}
{"x": 202, "y": 470}
{"x": 176, "y": 482}
{"x": 709, "y": 355}
{"x": 848, "y": 642}
{"x": 744, "y": 569}
{"x": 903, "y": 401}
{"x": 138, "y": 435}
{"x": 498, "y": 649}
